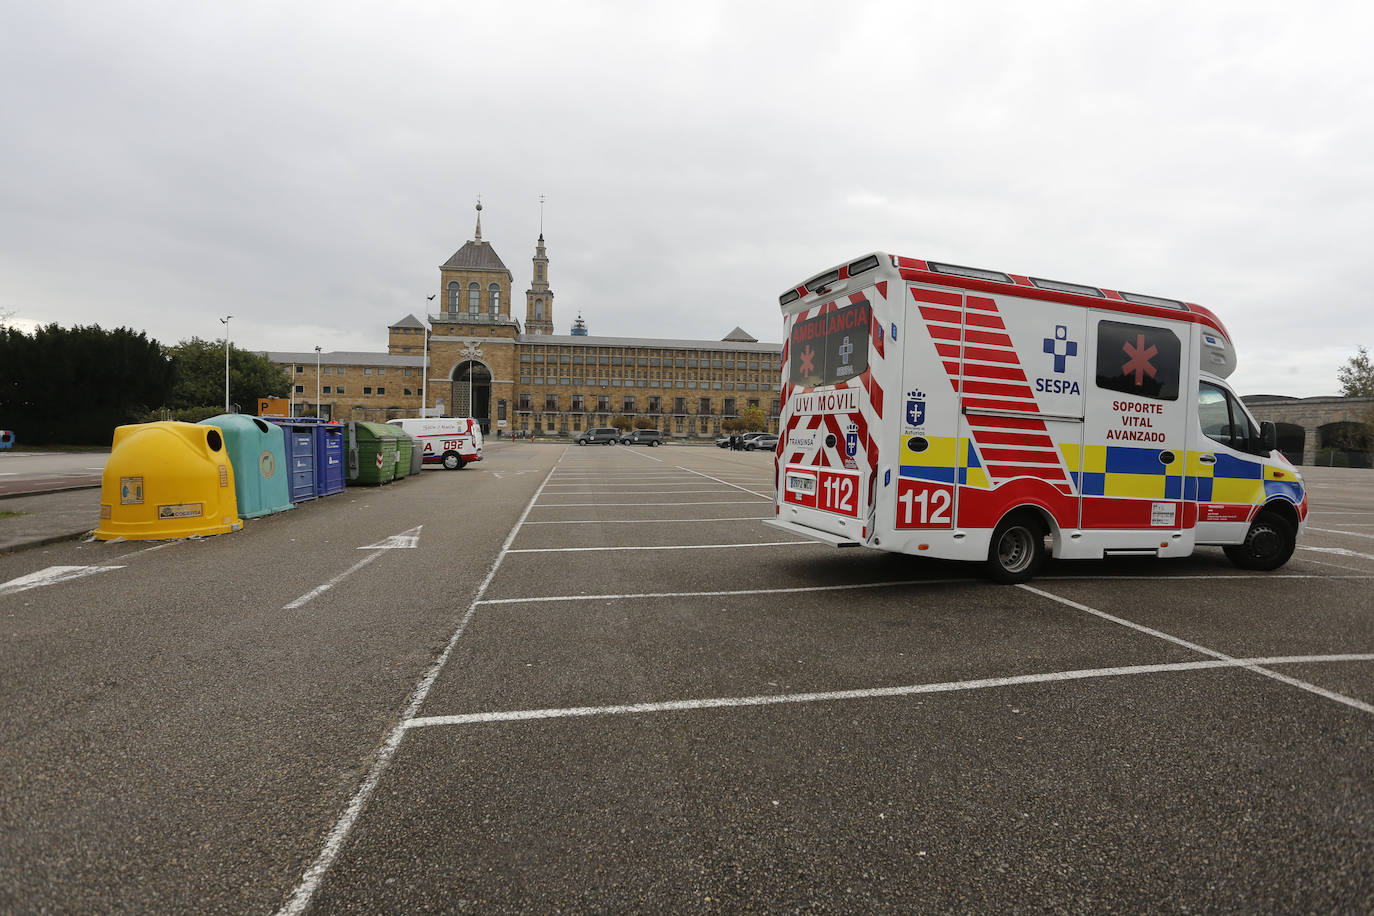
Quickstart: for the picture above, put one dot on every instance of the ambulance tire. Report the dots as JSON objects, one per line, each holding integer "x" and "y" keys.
{"x": 1017, "y": 550}
{"x": 1268, "y": 544}
{"x": 453, "y": 461}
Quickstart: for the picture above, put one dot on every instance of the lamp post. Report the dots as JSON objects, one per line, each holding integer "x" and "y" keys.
{"x": 291, "y": 392}
{"x": 225, "y": 321}
{"x": 424, "y": 379}
{"x": 318, "y": 412}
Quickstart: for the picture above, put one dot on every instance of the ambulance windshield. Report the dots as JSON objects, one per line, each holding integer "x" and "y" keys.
{"x": 830, "y": 348}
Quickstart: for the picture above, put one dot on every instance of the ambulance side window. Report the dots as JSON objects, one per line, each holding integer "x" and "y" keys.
{"x": 1225, "y": 421}
{"x": 1138, "y": 359}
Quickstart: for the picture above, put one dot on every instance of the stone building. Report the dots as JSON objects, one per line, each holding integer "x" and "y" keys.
{"x": 517, "y": 375}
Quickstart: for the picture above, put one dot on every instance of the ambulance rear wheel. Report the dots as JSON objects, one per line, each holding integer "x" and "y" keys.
{"x": 1017, "y": 550}
{"x": 453, "y": 461}
{"x": 1268, "y": 544}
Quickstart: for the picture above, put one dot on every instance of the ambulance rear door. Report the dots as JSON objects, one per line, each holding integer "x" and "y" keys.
{"x": 834, "y": 395}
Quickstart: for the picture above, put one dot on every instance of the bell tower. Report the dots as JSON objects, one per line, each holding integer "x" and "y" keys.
{"x": 539, "y": 298}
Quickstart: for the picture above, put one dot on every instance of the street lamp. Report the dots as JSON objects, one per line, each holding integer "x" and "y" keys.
{"x": 225, "y": 321}
{"x": 424, "y": 379}
{"x": 318, "y": 412}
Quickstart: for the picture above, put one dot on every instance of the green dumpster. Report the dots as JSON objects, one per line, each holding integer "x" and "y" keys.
{"x": 405, "y": 447}
{"x": 371, "y": 453}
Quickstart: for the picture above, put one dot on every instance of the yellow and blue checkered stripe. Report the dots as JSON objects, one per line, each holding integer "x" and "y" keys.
{"x": 1237, "y": 480}
{"x": 936, "y": 462}
{"x": 1124, "y": 472}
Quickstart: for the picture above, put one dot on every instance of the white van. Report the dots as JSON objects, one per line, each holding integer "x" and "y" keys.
{"x": 971, "y": 414}
{"x": 447, "y": 441}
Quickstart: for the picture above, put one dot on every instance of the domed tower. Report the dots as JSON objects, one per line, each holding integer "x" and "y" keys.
{"x": 539, "y": 298}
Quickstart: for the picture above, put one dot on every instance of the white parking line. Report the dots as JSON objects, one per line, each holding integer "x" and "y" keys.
{"x": 652, "y": 521}
{"x": 522, "y": 715}
{"x": 1338, "y": 551}
{"x": 969, "y": 580}
{"x": 1353, "y": 534}
{"x": 666, "y": 547}
{"x": 657, "y": 490}
{"x": 636, "y": 505}
{"x": 301, "y": 896}
{"x": 1255, "y": 666}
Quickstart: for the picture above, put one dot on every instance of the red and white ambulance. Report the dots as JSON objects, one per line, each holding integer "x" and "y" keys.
{"x": 451, "y": 442}
{"x": 970, "y": 414}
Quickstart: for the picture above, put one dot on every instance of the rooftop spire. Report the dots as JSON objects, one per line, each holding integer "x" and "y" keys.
{"x": 478, "y": 236}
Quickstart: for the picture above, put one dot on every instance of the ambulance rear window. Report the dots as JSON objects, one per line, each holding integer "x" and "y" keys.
{"x": 830, "y": 348}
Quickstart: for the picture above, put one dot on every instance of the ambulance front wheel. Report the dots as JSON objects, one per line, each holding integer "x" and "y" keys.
{"x": 453, "y": 461}
{"x": 1017, "y": 550}
{"x": 1268, "y": 544}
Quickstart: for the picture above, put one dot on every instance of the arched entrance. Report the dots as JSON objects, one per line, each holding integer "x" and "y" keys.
{"x": 471, "y": 392}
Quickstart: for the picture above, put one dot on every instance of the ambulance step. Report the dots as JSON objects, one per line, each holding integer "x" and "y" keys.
{"x": 825, "y": 537}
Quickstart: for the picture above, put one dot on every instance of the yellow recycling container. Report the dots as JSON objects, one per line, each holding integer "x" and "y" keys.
{"x": 167, "y": 480}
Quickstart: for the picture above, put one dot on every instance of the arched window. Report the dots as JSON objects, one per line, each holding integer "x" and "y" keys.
{"x": 474, "y": 298}
{"x": 494, "y": 292}
{"x": 539, "y": 310}
{"x": 453, "y": 296}
{"x": 539, "y": 271}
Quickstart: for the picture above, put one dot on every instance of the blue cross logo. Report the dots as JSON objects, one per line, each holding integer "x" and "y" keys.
{"x": 1061, "y": 348}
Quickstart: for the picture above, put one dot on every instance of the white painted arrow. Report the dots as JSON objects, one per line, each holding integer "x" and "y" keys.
{"x": 410, "y": 538}
{"x": 405, "y": 539}
{"x": 51, "y": 576}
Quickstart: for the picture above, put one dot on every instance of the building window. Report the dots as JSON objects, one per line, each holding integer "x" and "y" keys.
{"x": 453, "y": 296}
{"x": 407, "y": 391}
{"x": 628, "y": 405}
{"x": 474, "y": 298}
{"x": 729, "y": 407}
{"x": 494, "y": 299}
{"x": 338, "y": 389}
{"x": 381, "y": 391}
{"x": 539, "y": 271}
{"x": 501, "y": 409}
{"x": 300, "y": 369}
{"x": 655, "y": 404}
{"x": 367, "y": 372}
{"x": 539, "y": 310}
{"x": 603, "y": 403}
{"x": 577, "y": 402}
{"x": 300, "y": 389}
{"x": 524, "y": 401}
{"x": 326, "y": 389}
{"x": 703, "y": 405}
{"x": 551, "y": 402}
{"x": 679, "y": 406}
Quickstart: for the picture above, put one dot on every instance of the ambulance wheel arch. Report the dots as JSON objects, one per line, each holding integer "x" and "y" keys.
{"x": 1270, "y": 541}
{"x": 1017, "y": 549}
{"x": 453, "y": 461}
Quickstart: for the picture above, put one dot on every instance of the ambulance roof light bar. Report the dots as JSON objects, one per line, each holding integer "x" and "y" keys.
{"x": 1062, "y": 287}
{"x": 1155, "y": 301}
{"x": 973, "y": 273}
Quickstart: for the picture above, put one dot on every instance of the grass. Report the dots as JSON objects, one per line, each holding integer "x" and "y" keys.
{"x": 12, "y": 514}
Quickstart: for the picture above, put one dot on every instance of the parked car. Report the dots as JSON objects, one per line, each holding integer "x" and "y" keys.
{"x": 766, "y": 442}
{"x": 600, "y": 436}
{"x": 652, "y": 437}
{"x": 724, "y": 441}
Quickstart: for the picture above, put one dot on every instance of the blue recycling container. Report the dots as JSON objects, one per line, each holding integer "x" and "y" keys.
{"x": 300, "y": 456}
{"x": 329, "y": 459}
{"x": 257, "y": 453}
{"x": 6, "y": 438}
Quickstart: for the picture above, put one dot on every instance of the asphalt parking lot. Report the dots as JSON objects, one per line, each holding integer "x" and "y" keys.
{"x": 630, "y": 696}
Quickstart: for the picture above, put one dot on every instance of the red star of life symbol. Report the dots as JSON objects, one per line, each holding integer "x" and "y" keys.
{"x": 808, "y": 357}
{"x": 1139, "y": 361}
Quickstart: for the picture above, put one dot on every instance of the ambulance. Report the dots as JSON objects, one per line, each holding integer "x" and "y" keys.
{"x": 446, "y": 441}
{"x": 968, "y": 414}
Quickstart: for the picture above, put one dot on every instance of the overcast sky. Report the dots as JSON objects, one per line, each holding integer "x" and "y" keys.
{"x": 306, "y": 167}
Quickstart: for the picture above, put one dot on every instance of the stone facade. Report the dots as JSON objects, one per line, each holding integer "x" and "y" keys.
{"x": 533, "y": 380}
{"x": 1322, "y": 424}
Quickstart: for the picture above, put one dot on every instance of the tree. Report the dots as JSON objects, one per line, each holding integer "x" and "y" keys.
{"x": 75, "y": 385}
{"x": 754, "y": 419}
{"x": 199, "y": 378}
{"x": 622, "y": 423}
{"x": 1357, "y": 376}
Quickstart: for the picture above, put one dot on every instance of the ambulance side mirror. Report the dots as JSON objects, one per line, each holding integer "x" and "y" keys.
{"x": 1269, "y": 436}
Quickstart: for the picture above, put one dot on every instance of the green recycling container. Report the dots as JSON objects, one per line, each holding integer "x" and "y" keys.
{"x": 371, "y": 453}
{"x": 405, "y": 447}
{"x": 257, "y": 455}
